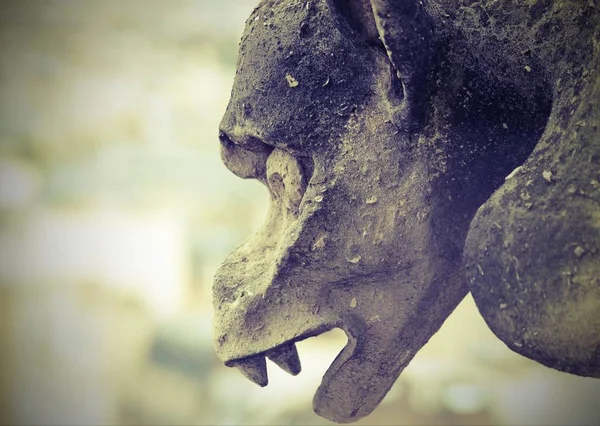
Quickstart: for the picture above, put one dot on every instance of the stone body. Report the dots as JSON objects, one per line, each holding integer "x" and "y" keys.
{"x": 413, "y": 152}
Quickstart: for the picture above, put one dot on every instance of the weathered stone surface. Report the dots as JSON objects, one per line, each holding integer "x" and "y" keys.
{"x": 387, "y": 133}
{"x": 532, "y": 252}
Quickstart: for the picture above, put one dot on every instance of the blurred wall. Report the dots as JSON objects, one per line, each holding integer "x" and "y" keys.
{"x": 111, "y": 219}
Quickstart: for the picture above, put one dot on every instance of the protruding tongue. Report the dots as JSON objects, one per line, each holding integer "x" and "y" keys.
{"x": 358, "y": 379}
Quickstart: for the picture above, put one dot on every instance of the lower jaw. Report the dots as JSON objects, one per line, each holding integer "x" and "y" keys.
{"x": 351, "y": 387}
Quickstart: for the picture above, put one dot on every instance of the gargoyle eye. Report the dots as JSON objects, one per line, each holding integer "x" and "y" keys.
{"x": 287, "y": 179}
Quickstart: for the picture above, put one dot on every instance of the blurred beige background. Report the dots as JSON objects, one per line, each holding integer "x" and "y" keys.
{"x": 115, "y": 211}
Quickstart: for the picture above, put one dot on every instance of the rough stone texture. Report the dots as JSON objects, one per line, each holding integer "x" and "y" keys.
{"x": 532, "y": 252}
{"x": 388, "y": 133}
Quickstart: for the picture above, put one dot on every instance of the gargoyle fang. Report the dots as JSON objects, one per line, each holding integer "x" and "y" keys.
{"x": 254, "y": 368}
{"x": 287, "y": 358}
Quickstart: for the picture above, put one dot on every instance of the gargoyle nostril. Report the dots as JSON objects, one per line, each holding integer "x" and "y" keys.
{"x": 243, "y": 140}
{"x": 225, "y": 140}
{"x": 255, "y": 144}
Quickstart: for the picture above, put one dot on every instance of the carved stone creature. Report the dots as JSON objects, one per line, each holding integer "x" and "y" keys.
{"x": 414, "y": 150}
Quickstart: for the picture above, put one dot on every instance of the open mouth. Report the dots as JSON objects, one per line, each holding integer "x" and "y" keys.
{"x": 350, "y": 389}
{"x": 286, "y": 356}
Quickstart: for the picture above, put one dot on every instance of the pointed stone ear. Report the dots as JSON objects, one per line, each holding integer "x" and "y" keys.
{"x": 359, "y": 19}
{"x": 406, "y": 31}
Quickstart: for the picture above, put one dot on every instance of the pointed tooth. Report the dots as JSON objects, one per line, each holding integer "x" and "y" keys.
{"x": 287, "y": 358}
{"x": 254, "y": 368}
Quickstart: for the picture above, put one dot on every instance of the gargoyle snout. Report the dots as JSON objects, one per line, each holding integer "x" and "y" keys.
{"x": 245, "y": 155}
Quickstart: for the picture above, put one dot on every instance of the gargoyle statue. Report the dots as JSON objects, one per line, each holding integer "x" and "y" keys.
{"x": 414, "y": 151}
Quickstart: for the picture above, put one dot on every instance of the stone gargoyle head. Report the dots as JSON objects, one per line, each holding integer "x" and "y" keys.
{"x": 414, "y": 151}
